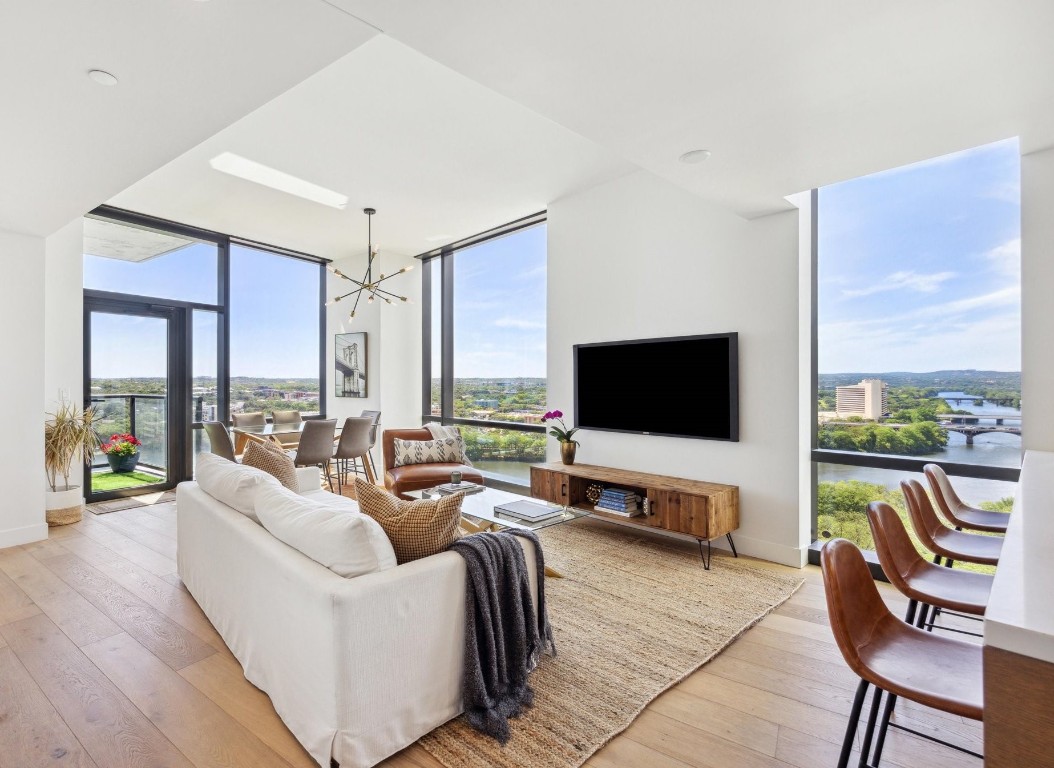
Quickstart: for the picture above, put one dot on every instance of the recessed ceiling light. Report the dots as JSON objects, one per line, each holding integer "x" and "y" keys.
{"x": 437, "y": 238}
{"x": 102, "y": 77}
{"x": 695, "y": 156}
{"x": 236, "y": 165}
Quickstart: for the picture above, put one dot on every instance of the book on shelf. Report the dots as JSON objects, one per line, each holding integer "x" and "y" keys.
{"x": 619, "y": 492}
{"x": 464, "y": 486}
{"x": 633, "y": 512}
{"x": 529, "y": 511}
{"x": 620, "y": 499}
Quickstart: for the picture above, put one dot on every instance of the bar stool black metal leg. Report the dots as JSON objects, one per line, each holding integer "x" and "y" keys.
{"x": 909, "y": 617}
{"x": 924, "y": 611}
{"x": 887, "y": 712}
{"x": 854, "y": 722}
{"x": 865, "y": 748}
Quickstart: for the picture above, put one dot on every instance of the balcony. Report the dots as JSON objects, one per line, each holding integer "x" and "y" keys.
{"x": 146, "y": 417}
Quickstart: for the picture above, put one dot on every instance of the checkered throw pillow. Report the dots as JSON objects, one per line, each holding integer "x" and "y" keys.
{"x": 416, "y": 529}
{"x": 272, "y": 460}
{"x": 448, "y": 450}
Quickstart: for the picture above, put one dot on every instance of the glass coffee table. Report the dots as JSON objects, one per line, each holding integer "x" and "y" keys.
{"x": 478, "y": 513}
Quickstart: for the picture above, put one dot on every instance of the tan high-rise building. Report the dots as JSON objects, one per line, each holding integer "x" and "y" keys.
{"x": 869, "y": 399}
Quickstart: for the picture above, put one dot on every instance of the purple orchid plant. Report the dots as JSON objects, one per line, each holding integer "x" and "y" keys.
{"x": 561, "y": 433}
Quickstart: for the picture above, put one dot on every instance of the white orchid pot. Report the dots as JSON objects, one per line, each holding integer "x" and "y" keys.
{"x": 64, "y": 507}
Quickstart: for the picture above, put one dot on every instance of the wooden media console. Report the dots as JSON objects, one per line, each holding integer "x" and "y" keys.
{"x": 703, "y": 510}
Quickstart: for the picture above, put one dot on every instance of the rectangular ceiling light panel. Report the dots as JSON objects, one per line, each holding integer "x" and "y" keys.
{"x": 243, "y": 168}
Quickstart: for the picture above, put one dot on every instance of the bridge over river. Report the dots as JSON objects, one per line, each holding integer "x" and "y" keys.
{"x": 965, "y": 424}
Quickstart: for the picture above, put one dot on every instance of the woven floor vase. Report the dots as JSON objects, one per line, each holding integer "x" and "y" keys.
{"x": 64, "y": 507}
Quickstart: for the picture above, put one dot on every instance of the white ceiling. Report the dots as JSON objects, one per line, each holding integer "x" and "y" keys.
{"x": 466, "y": 114}
{"x": 434, "y": 152}
{"x": 788, "y": 96}
{"x": 186, "y": 70}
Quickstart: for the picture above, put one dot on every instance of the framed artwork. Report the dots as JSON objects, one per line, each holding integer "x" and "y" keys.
{"x": 350, "y": 360}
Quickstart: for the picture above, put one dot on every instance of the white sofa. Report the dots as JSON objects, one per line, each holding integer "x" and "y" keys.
{"x": 357, "y": 668}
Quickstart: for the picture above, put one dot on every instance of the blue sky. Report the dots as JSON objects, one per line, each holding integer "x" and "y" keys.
{"x": 919, "y": 267}
{"x": 499, "y": 307}
{"x": 274, "y": 313}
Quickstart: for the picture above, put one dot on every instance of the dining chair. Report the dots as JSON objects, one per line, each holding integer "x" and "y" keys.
{"x": 255, "y": 419}
{"x": 956, "y": 592}
{"x": 316, "y": 446}
{"x": 899, "y": 660}
{"x": 376, "y": 416}
{"x": 288, "y": 440}
{"x": 219, "y": 439}
{"x": 286, "y": 417}
{"x": 956, "y": 511}
{"x": 354, "y": 444}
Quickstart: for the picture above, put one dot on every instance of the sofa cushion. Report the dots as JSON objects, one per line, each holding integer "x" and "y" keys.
{"x": 447, "y": 450}
{"x": 340, "y": 539}
{"x": 230, "y": 483}
{"x": 272, "y": 460}
{"x": 416, "y": 529}
{"x": 378, "y": 538}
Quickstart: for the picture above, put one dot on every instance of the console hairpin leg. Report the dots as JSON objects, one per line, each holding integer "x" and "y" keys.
{"x": 705, "y": 554}
{"x": 732, "y": 544}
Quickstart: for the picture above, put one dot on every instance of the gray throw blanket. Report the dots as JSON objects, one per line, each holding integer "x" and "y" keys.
{"x": 503, "y": 641}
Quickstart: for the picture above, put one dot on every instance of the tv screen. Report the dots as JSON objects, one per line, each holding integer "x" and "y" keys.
{"x": 686, "y": 386}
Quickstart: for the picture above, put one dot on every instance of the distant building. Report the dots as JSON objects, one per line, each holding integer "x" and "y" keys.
{"x": 869, "y": 398}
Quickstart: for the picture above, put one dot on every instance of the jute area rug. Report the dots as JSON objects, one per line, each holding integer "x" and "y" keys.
{"x": 632, "y": 617}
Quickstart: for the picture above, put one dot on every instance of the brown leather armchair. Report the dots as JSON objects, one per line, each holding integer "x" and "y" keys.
{"x": 416, "y": 477}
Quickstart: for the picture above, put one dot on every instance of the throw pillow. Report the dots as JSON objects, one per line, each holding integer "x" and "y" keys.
{"x": 233, "y": 484}
{"x": 416, "y": 529}
{"x": 447, "y": 450}
{"x": 337, "y": 539}
{"x": 272, "y": 460}
{"x": 440, "y": 432}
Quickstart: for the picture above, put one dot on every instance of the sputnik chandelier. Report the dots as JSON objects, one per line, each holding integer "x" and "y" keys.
{"x": 368, "y": 285}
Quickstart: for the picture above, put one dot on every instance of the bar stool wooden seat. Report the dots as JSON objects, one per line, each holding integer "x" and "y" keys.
{"x": 895, "y": 657}
{"x": 958, "y": 512}
{"x": 962, "y": 593}
{"x": 942, "y": 540}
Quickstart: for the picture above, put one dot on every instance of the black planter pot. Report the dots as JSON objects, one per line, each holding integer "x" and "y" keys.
{"x": 123, "y": 463}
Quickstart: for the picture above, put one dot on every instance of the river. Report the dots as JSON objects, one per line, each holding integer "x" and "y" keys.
{"x": 996, "y": 449}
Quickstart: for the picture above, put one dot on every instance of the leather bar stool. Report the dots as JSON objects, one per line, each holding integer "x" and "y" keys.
{"x": 896, "y": 658}
{"x": 942, "y": 540}
{"x": 958, "y": 593}
{"x": 354, "y": 444}
{"x": 958, "y": 512}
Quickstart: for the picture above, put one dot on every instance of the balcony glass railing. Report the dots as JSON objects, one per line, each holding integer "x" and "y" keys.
{"x": 142, "y": 415}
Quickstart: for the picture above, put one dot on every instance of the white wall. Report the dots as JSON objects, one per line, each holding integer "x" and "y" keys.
{"x": 393, "y": 345}
{"x": 1037, "y": 313}
{"x": 640, "y": 258}
{"x": 21, "y": 389}
{"x": 64, "y": 321}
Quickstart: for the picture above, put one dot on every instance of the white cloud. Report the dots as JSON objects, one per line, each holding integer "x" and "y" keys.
{"x": 1006, "y": 258}
{"x": 909, "y": 280}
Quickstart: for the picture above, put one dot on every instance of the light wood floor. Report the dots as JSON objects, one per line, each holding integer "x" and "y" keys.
{"x": 106, "y": 661}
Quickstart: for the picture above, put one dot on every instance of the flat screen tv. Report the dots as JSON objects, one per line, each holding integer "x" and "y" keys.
{"x": 685, "y": 386}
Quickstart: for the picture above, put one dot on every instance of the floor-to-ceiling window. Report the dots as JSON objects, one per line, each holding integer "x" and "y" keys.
{"x": 183, "y": 326}
{"x": 275, "y": 332}
{"x": 485, "y": 356}
{"x": 918, "y": 334}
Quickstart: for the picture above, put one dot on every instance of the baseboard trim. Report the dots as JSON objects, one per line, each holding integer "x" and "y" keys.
{"x": 27, "y": 534}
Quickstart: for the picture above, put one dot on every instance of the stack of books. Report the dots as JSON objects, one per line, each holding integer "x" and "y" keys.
{"x": 447, "y": 489}
{"x": 619, "y": 501}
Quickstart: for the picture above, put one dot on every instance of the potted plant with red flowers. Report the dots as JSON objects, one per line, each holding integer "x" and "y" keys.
{"x": 565, "y": 436}
{"x": 122, "y": 452}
